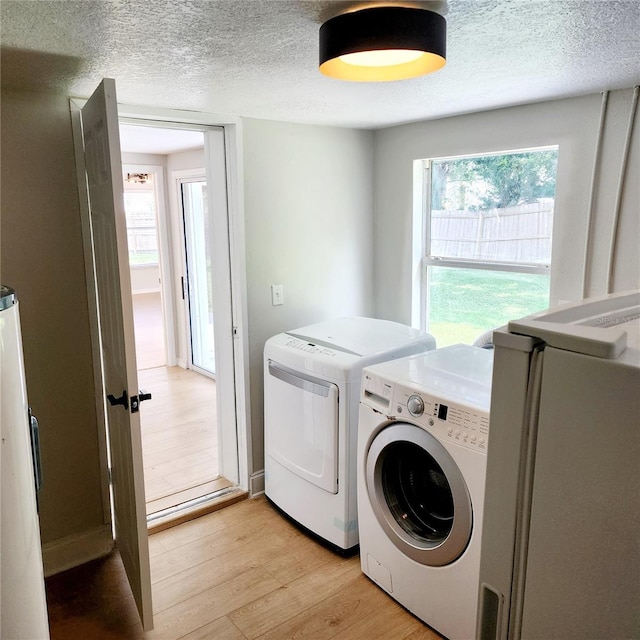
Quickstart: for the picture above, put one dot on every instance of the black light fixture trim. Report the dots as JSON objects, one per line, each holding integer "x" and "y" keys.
{"x": 383, "y": 28}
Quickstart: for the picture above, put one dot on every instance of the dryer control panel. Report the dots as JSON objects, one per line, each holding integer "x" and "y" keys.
{"x": 309, "y": 347}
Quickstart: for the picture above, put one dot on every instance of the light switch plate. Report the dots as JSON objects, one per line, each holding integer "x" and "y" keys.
{"x": 277, "y": 294}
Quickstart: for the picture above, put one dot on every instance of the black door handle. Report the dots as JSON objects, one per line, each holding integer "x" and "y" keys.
{"x": 136, "y": 400}
{"x": 122, "y": 400}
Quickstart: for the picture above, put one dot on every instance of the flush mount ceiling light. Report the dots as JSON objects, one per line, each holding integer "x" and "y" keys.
{"x": 383, "y": 43}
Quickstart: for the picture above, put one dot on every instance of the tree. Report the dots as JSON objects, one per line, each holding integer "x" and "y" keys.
{"x": 507, "y": 180}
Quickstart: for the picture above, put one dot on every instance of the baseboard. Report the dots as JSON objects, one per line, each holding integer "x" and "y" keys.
{"x": 74, "y": 550}
{"x": 256, "y": 484}
{"x": 142, "y": 291}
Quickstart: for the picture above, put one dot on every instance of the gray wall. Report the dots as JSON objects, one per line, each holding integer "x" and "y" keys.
{"x": 308, "y": 208}
{"x": 42, "y": 258}
{"x": 572, "y": 124}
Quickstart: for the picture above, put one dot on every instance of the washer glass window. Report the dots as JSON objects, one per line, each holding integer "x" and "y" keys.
{"x": 417, "y": 492}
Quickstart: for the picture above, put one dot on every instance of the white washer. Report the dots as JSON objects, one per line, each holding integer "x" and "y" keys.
{"x": 422, "y": 444}
{"x": 311, "y": 392}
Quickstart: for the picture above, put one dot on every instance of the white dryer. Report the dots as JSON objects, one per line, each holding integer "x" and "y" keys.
{"x": 422, "y": 444}
{"x": 311, "y": 392}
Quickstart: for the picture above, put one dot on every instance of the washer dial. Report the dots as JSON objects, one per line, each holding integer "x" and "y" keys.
{"x": 415, "y": 405}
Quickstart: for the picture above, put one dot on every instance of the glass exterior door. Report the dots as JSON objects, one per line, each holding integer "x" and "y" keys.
{"x": 199, "y": 290}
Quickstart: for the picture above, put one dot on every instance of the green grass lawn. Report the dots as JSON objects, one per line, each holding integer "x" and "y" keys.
{"x": 464, "y": 303}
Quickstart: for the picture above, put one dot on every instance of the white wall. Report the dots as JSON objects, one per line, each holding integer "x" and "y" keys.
{"x": 145, "y": 279}
{"x": 144, "y": 158}
{"x": 192, "y": 159}
{"x": 308, "y": 207}
{"x": 573, "y": 125}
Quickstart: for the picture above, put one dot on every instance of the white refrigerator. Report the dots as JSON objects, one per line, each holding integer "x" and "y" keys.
{"x": 23, "y": 608}
{"x": 560, "y": 548}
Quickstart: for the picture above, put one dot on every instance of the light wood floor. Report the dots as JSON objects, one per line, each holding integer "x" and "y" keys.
{"x": 179, "y": 433}
{"x": 148, "y": 323}
{"x": 242, "y": 573}
{"x": 179, "y": 436}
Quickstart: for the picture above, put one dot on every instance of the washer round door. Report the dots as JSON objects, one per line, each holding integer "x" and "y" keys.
{"x": 418, "y": 494}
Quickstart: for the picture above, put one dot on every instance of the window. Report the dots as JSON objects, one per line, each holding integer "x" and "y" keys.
{"x": 140, "y": 211}
{"x": 487, "y": 241}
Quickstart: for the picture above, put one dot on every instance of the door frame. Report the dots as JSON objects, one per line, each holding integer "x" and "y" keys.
{"x": 232, "y": 127}
{"x": 176, "y": 178}
{"x": 235, "y": 246}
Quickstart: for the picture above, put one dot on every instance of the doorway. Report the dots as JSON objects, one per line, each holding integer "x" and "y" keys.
{"x": 170, "y": 236}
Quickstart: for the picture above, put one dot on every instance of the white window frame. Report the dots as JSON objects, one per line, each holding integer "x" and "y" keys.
{"x": 422, "y": 236}
{"x": 156, "y": 229}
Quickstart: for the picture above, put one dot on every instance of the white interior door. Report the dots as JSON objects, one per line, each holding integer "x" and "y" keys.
{"x": 109, "y": 238}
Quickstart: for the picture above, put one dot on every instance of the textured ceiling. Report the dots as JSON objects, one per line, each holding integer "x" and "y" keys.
{"x": 258, "y": 58}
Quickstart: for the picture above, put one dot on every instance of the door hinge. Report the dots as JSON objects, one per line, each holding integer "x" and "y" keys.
{"x": 110, "y": 475}
{"x": 234, "y": 332}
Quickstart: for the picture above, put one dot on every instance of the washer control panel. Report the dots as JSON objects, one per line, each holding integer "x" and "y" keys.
{"x": 465, "y": 425}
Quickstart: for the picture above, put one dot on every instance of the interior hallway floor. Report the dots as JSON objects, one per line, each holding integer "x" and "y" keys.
{"x": 149, "y": 329}
{"x": 241, "y": 573}
{"x": 179, "y": 423}
{"x": 179, "y": 436}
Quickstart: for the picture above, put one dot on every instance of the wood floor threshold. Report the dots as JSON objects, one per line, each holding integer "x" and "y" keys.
{"x": 191, "y": 513}
{"x": 187, "y": 495}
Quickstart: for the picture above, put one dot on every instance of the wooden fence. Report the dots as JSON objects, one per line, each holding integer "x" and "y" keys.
{"x": 513, "y": 234}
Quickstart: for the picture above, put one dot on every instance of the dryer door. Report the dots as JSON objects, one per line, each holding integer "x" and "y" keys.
{"x": 301, "y": 424}
{"x": 418, "y": 494}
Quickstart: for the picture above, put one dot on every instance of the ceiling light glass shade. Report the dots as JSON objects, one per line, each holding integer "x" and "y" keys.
{"x": 383, "y": 43}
